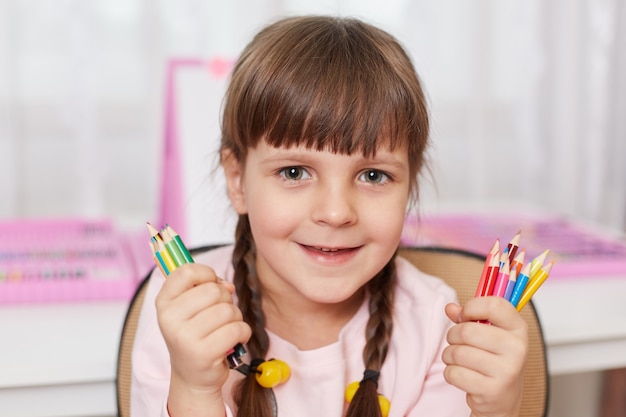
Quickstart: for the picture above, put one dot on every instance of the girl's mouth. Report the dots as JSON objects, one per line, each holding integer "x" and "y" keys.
{"x": 329, "y": 251}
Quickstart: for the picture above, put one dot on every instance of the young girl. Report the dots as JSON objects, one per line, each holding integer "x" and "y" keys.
{"x": 324, "y": 133}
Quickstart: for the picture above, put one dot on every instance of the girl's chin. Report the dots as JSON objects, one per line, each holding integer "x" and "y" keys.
{"x": 335, "y": 296}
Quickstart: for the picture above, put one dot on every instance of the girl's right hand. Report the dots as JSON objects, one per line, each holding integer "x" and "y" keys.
{"x": 199, "y": 323}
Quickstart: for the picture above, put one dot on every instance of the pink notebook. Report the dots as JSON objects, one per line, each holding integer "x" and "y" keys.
{"x": 65, "y": 260}
{"x": 577, "y": 249}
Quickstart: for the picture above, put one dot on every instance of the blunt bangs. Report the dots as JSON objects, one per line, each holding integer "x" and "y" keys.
{"x": 330, "y": 84}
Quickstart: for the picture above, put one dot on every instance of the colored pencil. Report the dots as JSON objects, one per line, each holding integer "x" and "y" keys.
{"x": 518, "y": 262}
{"x": 158, "y": 259}
{"x": 490, "y": 278}
{"x": 173, "y": 248}
{"x": 483, "y": 276}
{"x": 169, "y": 252}
{"x": 179, "y": 243}
{"x": 167, "y": 257}
{"x": 502, "y": 279}
{"x": 520, "y": 285}
{"x": 510, "y": 285}
{"x": 537, "y": 263}
{"x": 513, "y": 245}
{"x": 534, "y": 285}
{"x": 154, "y": 233}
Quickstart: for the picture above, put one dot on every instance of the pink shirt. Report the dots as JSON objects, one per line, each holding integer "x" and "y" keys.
{"x": 411, "y": 377}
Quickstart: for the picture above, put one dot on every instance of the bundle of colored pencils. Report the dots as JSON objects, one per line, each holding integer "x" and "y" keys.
{"x": 169, "y": 253}
{"x": 505, "y": 274}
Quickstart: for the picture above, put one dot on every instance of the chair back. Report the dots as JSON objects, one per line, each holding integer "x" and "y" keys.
{"x": 461, "y": 270}
{"x": 125, "y": 351}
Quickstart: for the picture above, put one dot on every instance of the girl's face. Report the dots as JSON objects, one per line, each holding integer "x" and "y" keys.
{"x": 324, "y": 223}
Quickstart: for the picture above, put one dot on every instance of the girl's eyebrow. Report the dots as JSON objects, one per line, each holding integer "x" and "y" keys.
{"x": 308, "y": 158}
{"x": 299, "y": 157}
{"x": 291, "y": 156}
{"x": 388, "y": 160}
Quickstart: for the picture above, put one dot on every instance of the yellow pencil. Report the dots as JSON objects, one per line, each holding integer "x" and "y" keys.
{"x": 167, "y": 258}
{"x": 537, "y": 263}
{"x": 534, "y": 285}
{"x": 158, "y": 259}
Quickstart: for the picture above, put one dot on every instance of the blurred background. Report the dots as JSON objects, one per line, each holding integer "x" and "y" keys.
{"x": 527, "y": 97}
{"x": 528, "y": 102}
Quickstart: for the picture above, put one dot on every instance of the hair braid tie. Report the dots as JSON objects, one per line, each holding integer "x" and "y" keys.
{"x": 370, "y": 375}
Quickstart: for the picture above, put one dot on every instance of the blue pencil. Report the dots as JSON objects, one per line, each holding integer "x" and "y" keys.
{"x": 520, "y": 285}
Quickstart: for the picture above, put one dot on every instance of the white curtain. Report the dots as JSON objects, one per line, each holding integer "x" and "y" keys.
{"x": 528, "y": 98}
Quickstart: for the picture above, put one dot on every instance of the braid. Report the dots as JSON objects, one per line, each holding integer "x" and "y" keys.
{"x": 378, "y": 334}
{"x": 252, "y": 399}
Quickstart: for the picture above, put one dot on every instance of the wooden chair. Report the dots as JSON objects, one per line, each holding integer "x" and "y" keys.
{"x": 461, "y": 270}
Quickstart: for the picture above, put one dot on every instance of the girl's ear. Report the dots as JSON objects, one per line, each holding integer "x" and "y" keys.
{"x": 233, "y": 170}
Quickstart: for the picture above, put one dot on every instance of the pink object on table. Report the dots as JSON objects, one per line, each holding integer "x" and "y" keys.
{"x": 578, "y": 249}
{"x": 46, "y": 260}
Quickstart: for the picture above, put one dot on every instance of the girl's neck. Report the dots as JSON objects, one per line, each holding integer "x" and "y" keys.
{"x": 309, "y": 326}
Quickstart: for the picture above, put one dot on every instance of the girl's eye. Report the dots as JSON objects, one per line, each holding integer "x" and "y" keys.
{"x": 374, "y": 176}
{"x": 294, "y": 173}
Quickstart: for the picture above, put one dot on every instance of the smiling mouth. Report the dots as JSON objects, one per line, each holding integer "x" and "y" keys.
{"x": 329, "y": 251}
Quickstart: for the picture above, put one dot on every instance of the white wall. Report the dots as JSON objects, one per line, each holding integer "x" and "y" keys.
{"x": 526, "y": 97}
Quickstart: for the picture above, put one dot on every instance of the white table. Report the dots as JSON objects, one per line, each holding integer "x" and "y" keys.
{"x": 584, "y": 324}
{"x": 59, "y": 359}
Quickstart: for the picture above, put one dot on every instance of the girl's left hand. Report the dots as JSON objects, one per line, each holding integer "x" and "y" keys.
{"x": 487, "y": 360}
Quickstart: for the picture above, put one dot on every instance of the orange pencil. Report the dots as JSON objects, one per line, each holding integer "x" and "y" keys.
{"x": 518, "y": 262}
{"x": 158, "y": 260}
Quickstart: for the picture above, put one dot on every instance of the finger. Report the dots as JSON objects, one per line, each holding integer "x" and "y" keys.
{"x": 453, "y": 311}
{"x": 185, "y": 277}
{"x": 209, "y": 320}
{"x": 466, "y": 379}
{"x": 496, "y": 310}
{"x": 470, "y": 357}
{"x": 222, "y": 339}
{"x": 491, "y": 339}
{"x": 199, "y": 298}
{"x": 230, "y": 287}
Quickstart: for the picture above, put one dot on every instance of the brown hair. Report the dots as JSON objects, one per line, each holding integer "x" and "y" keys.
{"x": 327, "y": 83}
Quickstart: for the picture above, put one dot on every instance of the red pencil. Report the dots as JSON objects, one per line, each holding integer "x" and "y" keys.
{"x": 513, "y": 246}
{"x": 483, "y": 276}
{"x": 490, "y": 277}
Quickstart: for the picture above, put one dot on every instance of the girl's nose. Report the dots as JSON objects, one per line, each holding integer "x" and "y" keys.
{"x": 335, "y": 206}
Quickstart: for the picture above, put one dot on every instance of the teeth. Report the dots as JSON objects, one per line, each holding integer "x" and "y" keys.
{"x": 328, "y": 250}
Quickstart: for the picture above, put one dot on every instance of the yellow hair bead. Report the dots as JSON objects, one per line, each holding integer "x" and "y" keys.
{"x": 284, "y": 368}
{"x": 271, "y": 373}
{"x": 385, "y": 405}
{"x": 351, "y": 390}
